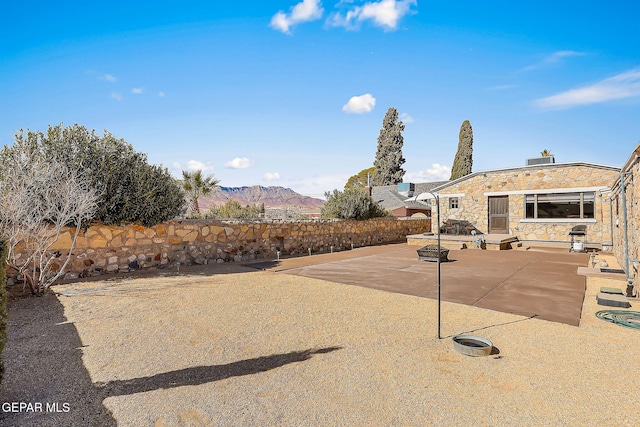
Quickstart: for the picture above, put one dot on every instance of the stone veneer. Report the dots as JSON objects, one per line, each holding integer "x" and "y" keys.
{"x": 473, "y": 202}
{"x": 108, "y": 249}
{"x": 632, "y": 196}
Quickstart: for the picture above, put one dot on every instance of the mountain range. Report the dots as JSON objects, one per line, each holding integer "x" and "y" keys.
{"x": 272, "y": 197}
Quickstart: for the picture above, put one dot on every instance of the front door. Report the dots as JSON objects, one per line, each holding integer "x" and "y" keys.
{"x": 499, "y": 214}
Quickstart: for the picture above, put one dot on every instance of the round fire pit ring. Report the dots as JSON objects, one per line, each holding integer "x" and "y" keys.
{"x": 470, "y": 345}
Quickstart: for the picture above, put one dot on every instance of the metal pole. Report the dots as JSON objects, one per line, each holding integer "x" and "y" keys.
{"x": 439, "y": 284}
{"x": 624, "y": 225}
{"x": 437, "y": 199}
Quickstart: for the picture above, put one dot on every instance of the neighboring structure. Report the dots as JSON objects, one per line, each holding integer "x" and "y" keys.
{"x": 539, "y": 202}
{"x": 625, "y": 202}
{"x": 394, "y": 198}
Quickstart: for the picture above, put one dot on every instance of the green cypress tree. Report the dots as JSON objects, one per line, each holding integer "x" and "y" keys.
{"x": 463, "y": 162}
{"x": 389, "y": 158}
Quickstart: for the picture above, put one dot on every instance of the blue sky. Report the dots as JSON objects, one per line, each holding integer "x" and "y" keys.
{"x": 293, "y": 93}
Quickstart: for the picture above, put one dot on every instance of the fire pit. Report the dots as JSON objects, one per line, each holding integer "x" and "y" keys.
{"x": 430, "y": 253}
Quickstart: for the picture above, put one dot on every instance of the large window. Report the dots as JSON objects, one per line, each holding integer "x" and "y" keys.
{"x": 560, "y": 205}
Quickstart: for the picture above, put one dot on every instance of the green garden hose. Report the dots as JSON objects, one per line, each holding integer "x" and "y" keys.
{"x": 629, "y": 319}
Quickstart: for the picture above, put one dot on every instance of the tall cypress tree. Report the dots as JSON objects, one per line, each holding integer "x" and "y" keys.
{"x": 463, "y": 162}
{"x": 389, "y": 158}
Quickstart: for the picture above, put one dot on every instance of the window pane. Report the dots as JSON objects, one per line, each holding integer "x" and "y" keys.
{"x": 529, "y": 209}
{"x": 558, "y": 210}
{"x": 589, "y": 210}
{"x": 559, "y": 197}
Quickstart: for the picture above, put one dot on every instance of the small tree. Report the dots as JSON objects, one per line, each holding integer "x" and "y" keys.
{"x": 131, "y": 189}
{"x": 39, "y": 197}
{"x": 389, "y": 160}
{"x": 352, "y": 203}
{"x": 195, "y": 186}
{"x": 546, "y": 153}
{"x": 360, "y": 179}
{"x": 463, "y": 162}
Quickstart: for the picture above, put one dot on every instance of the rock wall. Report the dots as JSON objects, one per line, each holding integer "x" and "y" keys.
{"x": 631, "y": 243}
{"x": 109, "y": 249}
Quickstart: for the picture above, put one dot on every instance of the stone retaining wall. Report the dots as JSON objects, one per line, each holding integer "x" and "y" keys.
{"x": 109, "y": 249}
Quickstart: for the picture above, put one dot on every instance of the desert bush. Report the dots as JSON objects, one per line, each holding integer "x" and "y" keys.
{"x": 233, "y": 209}
{"x": 352, "y": 203}
{"x": 3, "y": 303}
{"x": 131, "y": 189}
{"x": 39, "y": 197}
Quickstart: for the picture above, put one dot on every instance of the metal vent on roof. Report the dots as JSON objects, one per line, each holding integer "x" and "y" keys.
{"x": 406, "y": 188}
{"x": 541, "y": 160}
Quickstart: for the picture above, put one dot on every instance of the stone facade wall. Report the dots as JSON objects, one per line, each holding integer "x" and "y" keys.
{"x": 107, "y": 249}
{"x": 473, "y": 202}
{"x": 632, "y": 196}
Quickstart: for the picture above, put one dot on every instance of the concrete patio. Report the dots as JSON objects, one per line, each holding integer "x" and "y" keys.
{"x": 541, "y": 283}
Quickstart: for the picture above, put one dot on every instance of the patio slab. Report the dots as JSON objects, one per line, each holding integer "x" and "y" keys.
{"x": 535, "y": 283}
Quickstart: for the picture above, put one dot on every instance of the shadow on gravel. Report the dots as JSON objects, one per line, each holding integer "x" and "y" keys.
{"x": 205, "y": 374}
{"x": 43, "y": 360}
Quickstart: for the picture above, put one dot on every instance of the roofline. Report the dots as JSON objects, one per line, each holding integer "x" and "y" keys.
{"x": 544, "y": 165}
{"x": 631, "y": 161}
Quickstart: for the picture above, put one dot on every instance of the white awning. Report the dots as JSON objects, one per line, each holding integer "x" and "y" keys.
{"x": 421, "y": 196}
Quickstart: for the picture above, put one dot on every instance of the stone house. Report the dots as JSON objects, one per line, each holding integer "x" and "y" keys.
{"x": 537, "y": 203}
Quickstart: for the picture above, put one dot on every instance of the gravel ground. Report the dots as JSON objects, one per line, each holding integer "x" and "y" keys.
{"x": 230, "y": 346}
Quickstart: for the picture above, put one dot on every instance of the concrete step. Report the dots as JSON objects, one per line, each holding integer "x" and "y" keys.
{"x": 612, "y": 300}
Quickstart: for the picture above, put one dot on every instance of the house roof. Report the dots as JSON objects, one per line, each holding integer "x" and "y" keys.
{"x": 633, "y": 159}
{"x": 389, "y": 197}
{"x": 543, "y": 166}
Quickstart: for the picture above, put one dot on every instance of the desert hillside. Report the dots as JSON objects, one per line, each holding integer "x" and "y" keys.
{"x": 272, "y": 197}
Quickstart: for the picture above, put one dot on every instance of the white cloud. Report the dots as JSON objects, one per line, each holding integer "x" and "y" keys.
{"x": 360, "y": 104}
{"x": 116, "y": 96}
{"x": 317, "y": 185}
{"x": 108, "y": 77}
{"x": 137, "y": 90}
{"x": 239, "y": 163}
{"x": 554, "y": 58}
{"x": 161, "y": 94}
{"x": 436, "y": 172}
{"x": 624, "y": 85}
{"x": 405, "y": 118}
{"x": 198, "y": 165}
{"x": 383, "y": 13}
{"x": 306, "y": 10}
{"x": 176, "y": 165}
{"x": 271, "y": 176}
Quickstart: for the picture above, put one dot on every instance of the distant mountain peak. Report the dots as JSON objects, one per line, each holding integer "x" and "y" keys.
{"x": 271, "y": 196}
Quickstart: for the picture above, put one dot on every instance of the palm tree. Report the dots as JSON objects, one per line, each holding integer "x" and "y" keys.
{"x": 546, "y": 153}
{"x": 196, "y": 185}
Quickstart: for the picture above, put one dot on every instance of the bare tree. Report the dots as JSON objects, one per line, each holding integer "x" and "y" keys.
{"x": 39, "y": 198}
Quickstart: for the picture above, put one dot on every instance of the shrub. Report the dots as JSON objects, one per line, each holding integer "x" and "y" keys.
{"x": 353, "y": 203}
{"x": 3, "y": 303}
{"x": 131, "y": 190}
{"x": 39, "y": 197}
{"x": 233, "y": 209}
